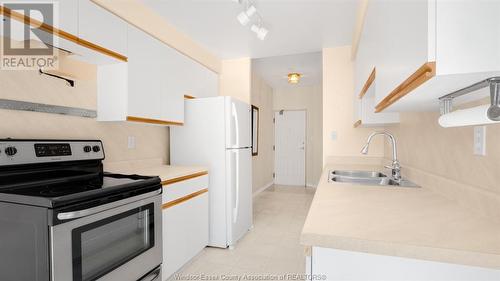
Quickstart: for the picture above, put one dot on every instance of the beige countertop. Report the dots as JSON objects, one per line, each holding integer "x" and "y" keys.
{"x": 167, "y": 173}
{"x": 405, "y": 222}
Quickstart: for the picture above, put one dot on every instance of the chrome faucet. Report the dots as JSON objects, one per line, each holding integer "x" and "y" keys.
{"x": 395, "y": 166}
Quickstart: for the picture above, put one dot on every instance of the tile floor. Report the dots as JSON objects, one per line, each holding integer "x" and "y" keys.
{"x": 271, "y": 247}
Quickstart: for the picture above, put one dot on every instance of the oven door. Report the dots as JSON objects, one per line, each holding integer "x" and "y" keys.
{"x": 117, "y": 241}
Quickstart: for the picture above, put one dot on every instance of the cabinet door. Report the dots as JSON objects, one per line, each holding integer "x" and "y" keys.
{"x": 350, "y": 265}
{"x": 197, "y": 80}
{"x": 402, "y": 45}
{"x": 101, "y": 27}
{"x": 185, "y": 233}
{"x": 144, "y": 75}
{"x": 172, "y": 79}
{"x": 64, "y": 16}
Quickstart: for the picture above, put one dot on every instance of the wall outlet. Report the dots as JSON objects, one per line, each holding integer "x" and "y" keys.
{"x": 131, "y": 142}
{"x": 480, "y": 140}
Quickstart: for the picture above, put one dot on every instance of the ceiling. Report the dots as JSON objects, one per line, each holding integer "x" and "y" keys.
{"x": 295, "y": 26}
{"x": 274, "y": 70}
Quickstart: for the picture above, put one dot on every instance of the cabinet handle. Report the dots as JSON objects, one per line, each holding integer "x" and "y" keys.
{"x": 183, "y": 199}
{"x": 368, "y": 83}
{"x": 419, "y": 77}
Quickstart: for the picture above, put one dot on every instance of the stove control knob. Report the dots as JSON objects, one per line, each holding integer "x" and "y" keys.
{"x": 10, "y": 151}
{"x": 87, "y": 148}
{"x": 96, "y": 148}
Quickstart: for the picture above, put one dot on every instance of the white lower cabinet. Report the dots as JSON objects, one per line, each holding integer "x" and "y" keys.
{"x": 185, "y": 223}
{"x": 348, "y": 265}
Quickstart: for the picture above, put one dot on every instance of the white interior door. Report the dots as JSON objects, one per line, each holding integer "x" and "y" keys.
{"x": 290, "y": 147}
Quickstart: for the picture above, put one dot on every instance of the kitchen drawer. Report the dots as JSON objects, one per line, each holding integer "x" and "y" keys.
{"x": 185, "y": 233}
{"x": 183, "y": 188}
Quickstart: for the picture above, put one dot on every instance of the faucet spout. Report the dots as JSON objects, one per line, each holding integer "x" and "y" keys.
{"x": 395, "y": 167}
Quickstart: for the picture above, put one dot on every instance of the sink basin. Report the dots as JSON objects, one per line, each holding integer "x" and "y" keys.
{"x": 369, "y": 178}
{"x": 358, "y": 174}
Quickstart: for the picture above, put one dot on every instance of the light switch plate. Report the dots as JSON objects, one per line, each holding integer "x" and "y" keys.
{"x": 480, "y": 140}
{"x": 131, "y": 142}
{"x": 333, "y": 135}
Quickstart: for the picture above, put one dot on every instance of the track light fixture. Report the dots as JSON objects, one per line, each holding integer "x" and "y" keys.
{"x": 260, "y": 31}
{"x": 248, "y": 15}
{"x": 244, "y": 17}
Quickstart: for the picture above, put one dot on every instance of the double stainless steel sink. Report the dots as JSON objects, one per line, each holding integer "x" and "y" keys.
{"x": 368, "y": 178}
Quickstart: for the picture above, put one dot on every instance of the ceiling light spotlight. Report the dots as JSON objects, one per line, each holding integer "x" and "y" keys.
{"x": 293, "y": 78}
{"x": 244, "y": 17}
{"x": 260, "y": 31}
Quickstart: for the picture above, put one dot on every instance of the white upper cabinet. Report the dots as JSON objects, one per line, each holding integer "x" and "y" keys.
{"x": 151, "y": 86}
{"x": 365, "y": 73}
{"x": 87, "y": 31}
{"x": 364, "y": 107}
{"x": 197, "y": 80}
{"x": 425, "y": 49}
{"x": 62, "y": 14}
{"x": 142, "y": 89}
{"x": 97, "y": 25}
{"x": 154, "y": 88}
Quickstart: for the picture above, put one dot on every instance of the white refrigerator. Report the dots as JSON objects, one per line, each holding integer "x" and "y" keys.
{"x": 217, "y": 134}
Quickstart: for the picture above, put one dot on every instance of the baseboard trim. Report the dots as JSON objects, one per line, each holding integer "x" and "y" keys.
{"x": 311, "y": 185}
{"x": 266, "y": 186}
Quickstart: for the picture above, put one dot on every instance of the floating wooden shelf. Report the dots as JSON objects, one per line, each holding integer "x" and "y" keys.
{"x": 419, "y": 77}
{"x": 188, "y": 97}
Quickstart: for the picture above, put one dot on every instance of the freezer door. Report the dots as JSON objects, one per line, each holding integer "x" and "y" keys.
{"x": 238, "y": 122}
{"x": 239, "y": 193}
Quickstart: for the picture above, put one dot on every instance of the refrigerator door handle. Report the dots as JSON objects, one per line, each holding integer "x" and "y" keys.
{"x": 237, "y": 178}
{"x": 236, "y": 125}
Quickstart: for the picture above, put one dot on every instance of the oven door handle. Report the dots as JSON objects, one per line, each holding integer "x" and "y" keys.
{"x": 91, "y": 211}
{"x": 153, "y": 275}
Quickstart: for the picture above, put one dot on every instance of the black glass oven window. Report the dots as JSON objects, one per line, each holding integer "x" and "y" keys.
{"x": 52, "y": 149}
{"x": 102, "y": 246}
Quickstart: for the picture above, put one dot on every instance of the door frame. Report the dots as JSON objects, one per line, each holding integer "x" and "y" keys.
{"x": 305, "y": 141}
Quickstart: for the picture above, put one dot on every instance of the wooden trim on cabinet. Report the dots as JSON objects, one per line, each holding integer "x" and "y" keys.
{"x": 419, "y": 77}
{"x": 183, "y": 199}
{"x": 153, "y": 121}
{"x": 183, "y": 178}
{"x": 368, "y": 83}
{"x": 60, "y": 33}
{"x": 188, "y": 97}
{"x": 357, "y": 123}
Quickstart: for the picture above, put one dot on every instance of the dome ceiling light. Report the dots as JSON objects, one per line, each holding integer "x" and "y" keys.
{"x": 294, "y": 78}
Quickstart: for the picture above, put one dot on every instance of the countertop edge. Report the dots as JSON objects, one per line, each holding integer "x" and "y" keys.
{"x": 466, "y": 258}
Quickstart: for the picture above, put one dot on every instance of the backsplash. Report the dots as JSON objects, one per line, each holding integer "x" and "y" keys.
{"x": 150, "y": 141}
{"x": 426, "y": 148}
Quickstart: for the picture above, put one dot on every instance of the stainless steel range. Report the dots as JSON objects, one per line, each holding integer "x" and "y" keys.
{"x": 62, "y": 218}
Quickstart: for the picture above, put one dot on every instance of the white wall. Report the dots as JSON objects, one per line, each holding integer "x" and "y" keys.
{"x": 338, "y": 110}
{"x": 263, "y": 163}
{"x": 309, "y": 99}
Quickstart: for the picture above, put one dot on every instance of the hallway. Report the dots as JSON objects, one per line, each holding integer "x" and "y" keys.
{"x": 271, "y": 247}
